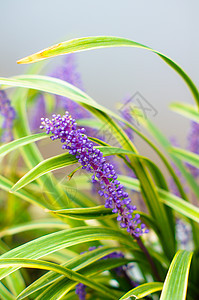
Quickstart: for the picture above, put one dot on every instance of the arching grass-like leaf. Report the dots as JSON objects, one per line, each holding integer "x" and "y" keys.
{"x": 62, "y": 239}
{"x": 5, "y": 293}
{"x": 38, "y": 264}
{"x": 6, "y": 185}
{"x": 96, "y": 42}
{"x": 176, "y": 282}
{"x": 187, "y": 156}
{"x": 143, "y": 290}
{"x": 45, "y": 167}
{"x": 61, "y": 287}
{"x": 6, "y": 148}
{"x": 76, "y": 264}
{"x": 97, "y": 212}
{"x": 187, "y": 110}
{"x": 33, "y": 225}
{"x": 66, "y": 159}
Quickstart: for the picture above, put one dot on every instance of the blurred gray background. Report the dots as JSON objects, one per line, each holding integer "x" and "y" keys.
{"x": 109, "y": 75}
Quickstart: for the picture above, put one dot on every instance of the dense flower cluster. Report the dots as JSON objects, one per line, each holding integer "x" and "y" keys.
{"x": 81, "y": 288}
{"x": 9, "y": 114}
{"x": 91, "y": 159}
{"x": 193, "y": 146}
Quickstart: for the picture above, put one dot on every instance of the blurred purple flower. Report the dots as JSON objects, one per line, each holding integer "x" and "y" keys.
{"x": 172, "y": 184}
{"x": 92, "y": 160}
{"x": 126, "y": 113}
{"x": 68, "y": 72}
{"x": 81, "y": 288}
{"x": 9, "y": 114}
{"x": 183, "y": 233}
{"x": 193, "y": 146}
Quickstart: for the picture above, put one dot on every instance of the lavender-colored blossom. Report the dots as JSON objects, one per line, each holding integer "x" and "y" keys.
{"x": 118, "y": 270}
{"x": 183, "y": 234}
{"x": 9, "y": 114}
{"x": 126, "y": 113}
{"x": 81, "y": 288}
{"x": 68, "y": 72}
{"x": 92, "y": 160}
{"x": 193, "y": 146}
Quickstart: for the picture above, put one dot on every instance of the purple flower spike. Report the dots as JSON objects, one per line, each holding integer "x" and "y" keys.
{"x": 91, "y": 159}
{"x": 9, "y": 114}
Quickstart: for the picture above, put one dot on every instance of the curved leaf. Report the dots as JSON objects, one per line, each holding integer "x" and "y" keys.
{"x": 45, "y": 167}
{"x": 143, "y": 290}
{"x": 61, "y": 287}
{"x": 31, "y": 263}
{"x": 190, "y": 157}
{"x": 176, "y": 282}
{"x": 88, "y": 43}
{"x": 187, "y": 110}
{"x": 33, "y": 225}
{"x": 97, "y": 212}
{"x": 63, "y": 160}
{"x": 76, "y": 264}
{"x": 6, "y": 185}
{"x": 6, "y": 148}
{"x": 62, "y": 239}
{"x": 5, "y": 293}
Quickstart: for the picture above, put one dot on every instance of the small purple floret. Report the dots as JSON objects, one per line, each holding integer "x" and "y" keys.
{"x": 91, "y": 159}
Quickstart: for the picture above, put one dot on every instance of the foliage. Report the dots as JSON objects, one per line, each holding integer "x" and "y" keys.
{"x": 56, "y": 222}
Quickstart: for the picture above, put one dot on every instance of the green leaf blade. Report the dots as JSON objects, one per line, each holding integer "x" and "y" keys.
{"x": 97, "y": 212}
{"x": 62, "y": 239}
{"x": 187, "y": 156}
{"x": 97, "y": 42}
{"x": 175, "y": 285}
{"x": 143, "y": 290}
{"x": 6, "y": 148}
{"x": 186, "y": 110}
